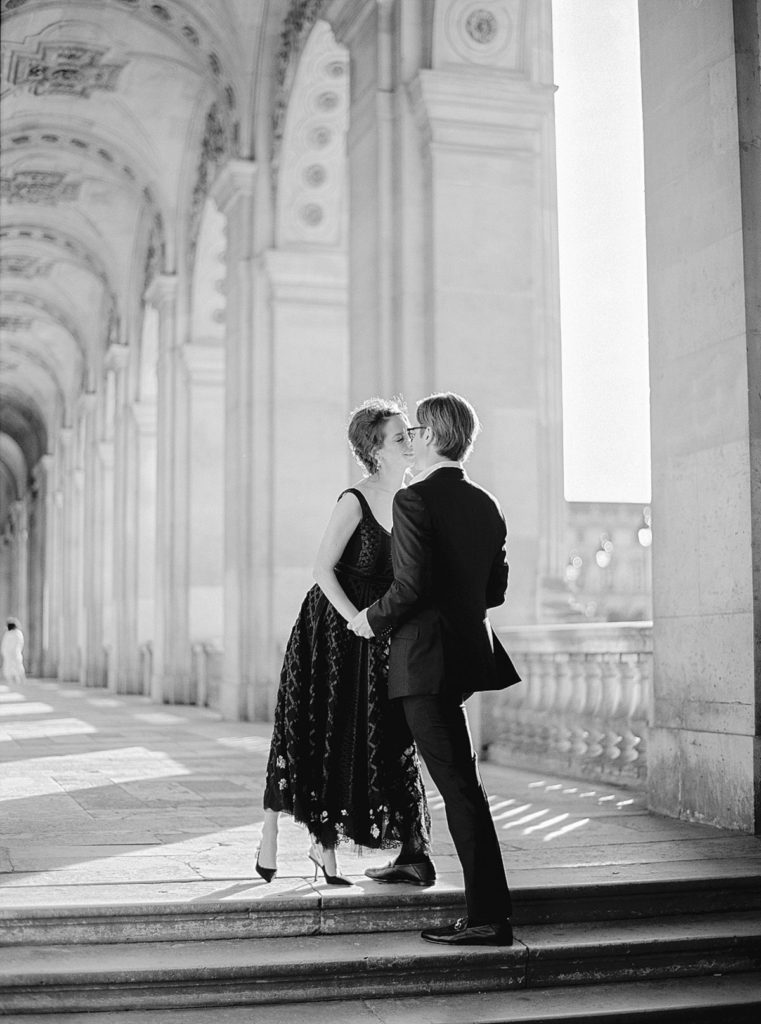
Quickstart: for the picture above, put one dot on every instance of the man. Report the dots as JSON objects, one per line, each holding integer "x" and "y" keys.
{"x": 448, "y": 549}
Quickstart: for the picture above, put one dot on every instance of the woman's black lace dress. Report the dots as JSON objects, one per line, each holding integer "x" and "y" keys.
{"x": 342, "y": 760}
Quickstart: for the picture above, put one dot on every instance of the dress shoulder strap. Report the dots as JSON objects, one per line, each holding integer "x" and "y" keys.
{"x": 359, "y": 496}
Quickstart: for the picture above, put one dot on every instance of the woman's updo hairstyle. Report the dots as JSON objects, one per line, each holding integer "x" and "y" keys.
{"x": 366, "y": 427}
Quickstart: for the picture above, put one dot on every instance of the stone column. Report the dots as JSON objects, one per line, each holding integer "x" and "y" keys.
{"x": 171, "y": 624}
{"x": 204, "y": 369}
{"x": 122, "y": 657}
{"x": 143, "y": 522}
{"x": 68, "y": 508}
{"x": 310, "y": 392}
{"x": 702, "y": 121}
{"x": 248, "y": 457}
{"x": 453, "y": 247}
{"x": 37, "y": 627}
{"x": 53, "y": 567}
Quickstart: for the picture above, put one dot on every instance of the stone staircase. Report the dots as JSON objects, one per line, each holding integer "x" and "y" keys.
{"x": 280, "y": 953}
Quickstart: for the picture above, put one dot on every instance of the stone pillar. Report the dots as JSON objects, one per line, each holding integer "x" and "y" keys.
{"x": 453, "y": 243}
{"x": 37, "y": 627}
{"x": 204, "y": 368}
{"x": 122, "y": 664}
{"x": 310, "y": 391}
{"x": 68, "y": 506}
{"x": 701, "y": 177}
{"x": 170, "y": 638}
{"x": 143, "y": 519}
{"x": 53, "y": 568}
{"x": 248, "y": 456}
{"x": 98, "y": 469}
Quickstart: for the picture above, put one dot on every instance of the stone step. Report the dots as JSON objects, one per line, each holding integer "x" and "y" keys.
{"x": 732, "y": 998}
{"x": 152, "y": 975}
{"x": 311, "y": 911}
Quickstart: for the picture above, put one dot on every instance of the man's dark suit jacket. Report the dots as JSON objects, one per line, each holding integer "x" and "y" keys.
{"x": 448, "y": 551}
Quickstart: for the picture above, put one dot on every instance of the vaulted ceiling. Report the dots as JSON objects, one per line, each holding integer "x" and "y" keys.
{"x": 110, "y": 112}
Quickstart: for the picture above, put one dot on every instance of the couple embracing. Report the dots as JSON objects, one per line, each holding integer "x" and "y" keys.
{"x": 389, "y": 643}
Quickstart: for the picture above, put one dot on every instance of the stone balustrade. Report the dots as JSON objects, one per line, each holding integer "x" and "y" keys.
{"x": 583, "y": 706}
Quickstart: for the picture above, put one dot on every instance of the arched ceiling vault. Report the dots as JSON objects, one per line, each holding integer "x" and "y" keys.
{"x": 104, "y": 108}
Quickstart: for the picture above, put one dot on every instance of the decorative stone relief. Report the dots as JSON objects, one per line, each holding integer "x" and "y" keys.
{"x": 70, "y": 248}
{"x": 48, "y": 187}
{"x": 154, "y": 252}
{"x": 481, "y": 26}
{"x": 68, "y": 69}
{"x": 485, "y": 32}
{"x": 25, "y": 266}
{"x": 215, "y": 146}
{"x": 297, "y": 25}
{"x": 311, "y": 164}
{"x": 9, "y": 322}
{"x": 193, "y": 33}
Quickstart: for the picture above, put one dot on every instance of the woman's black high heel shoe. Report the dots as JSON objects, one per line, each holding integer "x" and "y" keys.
{"x": 315, "y": 855}
{"x": 266, "y": 873}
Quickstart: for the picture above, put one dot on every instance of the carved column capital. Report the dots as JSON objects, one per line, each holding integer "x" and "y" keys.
{"x": 117, "y": 357}
{"x": 162, "y": 291}
{"x": 237, "y": 178}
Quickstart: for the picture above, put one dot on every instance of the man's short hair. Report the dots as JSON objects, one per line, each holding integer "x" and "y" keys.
{"x": 453, "y": 421}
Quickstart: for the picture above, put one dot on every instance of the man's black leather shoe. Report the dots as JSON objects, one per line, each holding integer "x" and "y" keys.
{"x": 461, "y": 933}
{"x": 422, "y": 872}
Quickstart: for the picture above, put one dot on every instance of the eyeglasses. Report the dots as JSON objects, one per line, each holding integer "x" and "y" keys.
{"x": 411, "y": 431}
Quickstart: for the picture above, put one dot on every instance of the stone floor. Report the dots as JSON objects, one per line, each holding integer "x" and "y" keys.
{"x": 112, "y": 799}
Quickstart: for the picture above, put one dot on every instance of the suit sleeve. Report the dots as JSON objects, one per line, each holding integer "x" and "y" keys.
{"x": 496, "y": 587}
{"x": 411, "y": 553}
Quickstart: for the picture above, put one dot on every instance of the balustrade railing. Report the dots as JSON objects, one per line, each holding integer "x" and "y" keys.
{"x": 583, "y": 706}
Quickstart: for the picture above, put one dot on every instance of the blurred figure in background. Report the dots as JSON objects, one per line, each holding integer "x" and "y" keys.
{"x": 12, "y": 651}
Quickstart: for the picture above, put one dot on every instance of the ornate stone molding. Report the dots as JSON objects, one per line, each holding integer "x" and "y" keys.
{"x": 195, "y": 34}
{"x": 69, "y": 246}
{"x": 155, "y": 252}
{"x": 297, "y": 25}
{"x": 215, "y": 147}
{"x": 8, "y": 322}
{"x": 237, "y": 178}
{"x": 48, "y": 187}
{"x": 51, "y": 311}
{"x": 162, "y": 291}
{"x": 312, "y": 158}
{"x": 25, "y": 266}
{"x": 485, "y": 33}
{"x": 109, "y": 156}
{"x": 491, "y": 113}
{"x": 61, "y": 68}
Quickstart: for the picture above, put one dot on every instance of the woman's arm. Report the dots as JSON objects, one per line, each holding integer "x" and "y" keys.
{"x": 343, "y": 522}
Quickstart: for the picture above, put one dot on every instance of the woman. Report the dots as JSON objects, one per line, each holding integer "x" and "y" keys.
{"x": 342, "y": 760}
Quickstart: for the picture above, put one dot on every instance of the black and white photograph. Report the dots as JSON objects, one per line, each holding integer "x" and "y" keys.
{"x": 380, "y": 511}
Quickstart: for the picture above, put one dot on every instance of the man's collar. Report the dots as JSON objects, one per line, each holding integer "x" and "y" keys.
{"x": 432, "y": 469}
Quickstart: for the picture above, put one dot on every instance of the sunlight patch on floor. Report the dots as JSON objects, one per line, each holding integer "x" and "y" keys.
{"x": 49, "y": 728}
